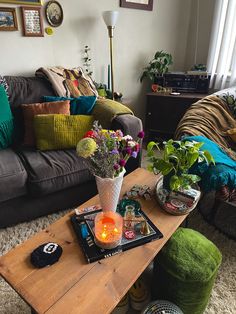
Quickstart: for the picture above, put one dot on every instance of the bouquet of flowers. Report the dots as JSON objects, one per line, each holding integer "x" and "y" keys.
{"x": 107, "y": 151}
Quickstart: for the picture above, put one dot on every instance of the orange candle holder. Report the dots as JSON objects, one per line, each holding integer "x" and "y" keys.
{"x": 108, "y": 229}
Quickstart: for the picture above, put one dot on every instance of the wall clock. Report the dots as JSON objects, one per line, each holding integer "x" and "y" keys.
{"x": 54, "y": 13}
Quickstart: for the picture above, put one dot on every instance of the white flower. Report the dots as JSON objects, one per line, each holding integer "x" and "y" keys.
{"x": 131, "y": 143}
{"x": 127, "y": 138}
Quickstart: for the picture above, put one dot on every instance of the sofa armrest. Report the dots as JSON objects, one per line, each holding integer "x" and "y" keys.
{"x": 128, "y": 124}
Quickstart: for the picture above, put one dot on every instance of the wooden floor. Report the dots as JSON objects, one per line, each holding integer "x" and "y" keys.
{"x": 72, "y": 285}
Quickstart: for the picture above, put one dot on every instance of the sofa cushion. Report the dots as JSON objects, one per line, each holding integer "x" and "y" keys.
{"x": 13, "y": 175}
{"x": 51, "y": 171}
{"x": 59, "y": 131}
{"x": 79, "y": 105}
{"x": 31, "y": 110}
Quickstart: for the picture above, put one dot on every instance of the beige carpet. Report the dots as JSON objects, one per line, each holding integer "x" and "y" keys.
{"x": 223, "y": 299}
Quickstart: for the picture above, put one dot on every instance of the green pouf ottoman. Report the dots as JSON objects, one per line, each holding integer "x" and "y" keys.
{"x": 185, "y": 270}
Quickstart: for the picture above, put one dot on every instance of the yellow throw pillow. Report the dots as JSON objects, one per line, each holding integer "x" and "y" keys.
{"x": 59, "y": 131}
{"x": 232, "y": 134}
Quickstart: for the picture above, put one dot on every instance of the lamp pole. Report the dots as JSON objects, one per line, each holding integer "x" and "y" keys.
{"x": 111, "y": 35}
{"x": 110, "y": 18}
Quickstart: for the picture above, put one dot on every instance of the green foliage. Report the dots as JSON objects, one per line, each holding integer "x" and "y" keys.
{"x": 177, "y": 158}
{"x": 157, "y": 66}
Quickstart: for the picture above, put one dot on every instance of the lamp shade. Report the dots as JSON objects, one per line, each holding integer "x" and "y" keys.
{"x": 110, "y": 17}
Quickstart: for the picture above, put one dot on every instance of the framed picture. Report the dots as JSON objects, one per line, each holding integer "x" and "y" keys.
{"x": 137, "y": 4}
{"x": 32, "y": 21}
{"x": 8, "y": 21}
{"x": 34, "y": 2}
{"x": 54, "y": 13}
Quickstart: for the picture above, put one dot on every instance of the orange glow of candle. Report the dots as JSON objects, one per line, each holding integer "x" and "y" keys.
{"x": 108, "y": 229}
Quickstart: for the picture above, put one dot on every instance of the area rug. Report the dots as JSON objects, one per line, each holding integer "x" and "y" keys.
{"x": 223, "y": 300}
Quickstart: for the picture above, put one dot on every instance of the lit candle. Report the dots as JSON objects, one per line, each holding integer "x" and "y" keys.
{"x": 108, "y": 229}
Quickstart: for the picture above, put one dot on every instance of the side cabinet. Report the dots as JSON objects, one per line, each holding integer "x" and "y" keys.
{"x": 164, "y": 111}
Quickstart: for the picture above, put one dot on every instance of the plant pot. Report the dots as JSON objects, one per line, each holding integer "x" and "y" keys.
{"x": 109, "y": 191}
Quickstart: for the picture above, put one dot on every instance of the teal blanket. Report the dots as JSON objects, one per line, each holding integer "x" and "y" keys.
{"x": 213, "y": 177}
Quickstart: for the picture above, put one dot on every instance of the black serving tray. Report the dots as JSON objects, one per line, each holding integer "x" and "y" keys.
{"x": 94, "y": 253}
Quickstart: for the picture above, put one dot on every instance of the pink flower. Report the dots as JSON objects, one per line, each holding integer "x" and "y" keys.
{"x": 116, "y": 166}
{"x": 137, "y": 147}
{"x": 141, "y": 134}
{"x": 128, "y": 150}
{"x": 122, "y": 162}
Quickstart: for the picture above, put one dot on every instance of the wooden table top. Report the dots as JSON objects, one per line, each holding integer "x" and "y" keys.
{"x": 72, "y": 285}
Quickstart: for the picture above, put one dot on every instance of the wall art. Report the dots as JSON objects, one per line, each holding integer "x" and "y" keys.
{"x": 8, "y": 20}
{"x": 54, "y": 13}
{"x": 31, "y": 2}
{"x": 137, "y": 4}
{"x": 32, "y": 21}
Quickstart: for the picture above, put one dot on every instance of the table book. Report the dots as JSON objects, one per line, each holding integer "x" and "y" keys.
{"x": 94, "y": 253}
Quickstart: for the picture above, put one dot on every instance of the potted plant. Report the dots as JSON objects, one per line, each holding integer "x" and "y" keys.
{"x": 158, "y": 66}
{"x": 175, "y": 162}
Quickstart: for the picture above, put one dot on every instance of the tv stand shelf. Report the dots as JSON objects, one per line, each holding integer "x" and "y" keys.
{"x": 164, "y": 111}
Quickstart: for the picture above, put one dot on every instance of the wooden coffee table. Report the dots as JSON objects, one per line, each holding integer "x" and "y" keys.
{"x": 72, "y": 285}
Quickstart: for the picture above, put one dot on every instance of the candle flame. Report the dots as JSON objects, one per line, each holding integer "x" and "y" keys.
{"x": 104, "y": 235}
{"x": 116, "y": 230}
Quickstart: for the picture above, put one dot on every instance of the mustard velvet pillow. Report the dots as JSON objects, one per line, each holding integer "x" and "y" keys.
{"x": 58, "y": 131}
{"x": 232, "y": 134}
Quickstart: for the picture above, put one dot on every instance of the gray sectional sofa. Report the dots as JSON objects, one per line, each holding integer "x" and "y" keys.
{"x": 35, "y": 183}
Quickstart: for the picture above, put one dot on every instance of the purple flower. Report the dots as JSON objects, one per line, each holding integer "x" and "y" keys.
{"x": 134, "y": 154}
{"x": 128, "y": 150}
{"x": 122, "y": 162}
{"x": 141, "y": 134}
{"x": 116, "y": 166}
{"x": 114, "y": 152}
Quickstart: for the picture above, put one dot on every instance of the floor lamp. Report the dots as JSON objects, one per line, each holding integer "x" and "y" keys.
{"x": 110, "y": 18}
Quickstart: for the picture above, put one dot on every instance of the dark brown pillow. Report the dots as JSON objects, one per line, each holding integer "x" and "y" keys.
{"x": 30, "y": 110}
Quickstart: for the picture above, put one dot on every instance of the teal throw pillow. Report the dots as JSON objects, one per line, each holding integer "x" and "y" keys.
{"x": 79, "y": 105}
{"x": 6, "y": 120}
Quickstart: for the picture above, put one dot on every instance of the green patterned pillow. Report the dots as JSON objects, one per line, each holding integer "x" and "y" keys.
{"x": 6, "y": 120}
{"x": 59, "y": 131}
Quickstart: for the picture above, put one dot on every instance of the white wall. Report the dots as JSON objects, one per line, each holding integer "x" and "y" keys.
{"x": 138, "y": 35}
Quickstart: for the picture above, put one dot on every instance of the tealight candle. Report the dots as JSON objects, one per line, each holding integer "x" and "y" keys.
{"x": 108, "y": 229}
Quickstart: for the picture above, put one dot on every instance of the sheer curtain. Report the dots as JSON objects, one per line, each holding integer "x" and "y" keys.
{"x": 221, "y": 61}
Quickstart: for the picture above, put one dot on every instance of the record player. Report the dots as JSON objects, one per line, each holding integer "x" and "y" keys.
{"x": 189, "y": 82}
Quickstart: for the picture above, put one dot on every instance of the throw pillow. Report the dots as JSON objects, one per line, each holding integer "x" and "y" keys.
{"x": 79, "y": 105}
{"x": 31, "y": 110}
{"x": 60, "y": 131}
{"x": 6, "y": 120}
{"x": 3, "y": 82}
{"x": 106, "y": 110}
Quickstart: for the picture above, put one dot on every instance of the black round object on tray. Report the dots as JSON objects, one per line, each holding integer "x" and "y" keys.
{"x": 46, "y": 254}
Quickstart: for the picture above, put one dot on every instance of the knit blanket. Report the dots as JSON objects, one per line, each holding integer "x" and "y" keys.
{"x": 209, "y": 117}
{"x": 105, "y": 110}
{"x": 68, "y": 82}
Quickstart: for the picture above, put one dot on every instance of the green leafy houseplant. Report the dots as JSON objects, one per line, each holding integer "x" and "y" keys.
{"x": 176, "y": 160}
{"x": 158, "y": 66}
